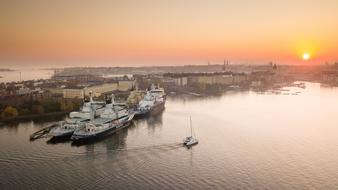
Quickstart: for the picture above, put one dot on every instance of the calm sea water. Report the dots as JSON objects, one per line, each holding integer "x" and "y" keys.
{"x": 26, "y": 74}
{"x": 247, "y": 141}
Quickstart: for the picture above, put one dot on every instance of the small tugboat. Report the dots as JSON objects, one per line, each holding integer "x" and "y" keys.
{"x": 190, "y": 141}
{"x": 114, "y": 117}
{"x": 89, "y": 111}
{"x": 152, "y": 103}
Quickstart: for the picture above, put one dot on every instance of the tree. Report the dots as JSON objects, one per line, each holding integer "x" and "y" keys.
{"x": 24, "y": 111}
{"x": 9, "y": 113}
{"x": 50, "y": 105}
{"x": 38, "y": 109}
{"x": 66, "y": 105}
{"x": 77, "y": 103}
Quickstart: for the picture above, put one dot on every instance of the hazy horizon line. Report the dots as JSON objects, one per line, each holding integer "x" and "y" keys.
{"x": 158, "y": 66}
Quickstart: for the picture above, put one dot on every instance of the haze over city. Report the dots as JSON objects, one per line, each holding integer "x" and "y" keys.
{"x": 157, "y": 32}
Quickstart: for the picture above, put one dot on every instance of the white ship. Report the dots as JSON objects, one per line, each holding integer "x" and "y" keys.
{"x": 152, "y": 103}
{"x": 114, "y": 117}
{"x": 88, "y": 111}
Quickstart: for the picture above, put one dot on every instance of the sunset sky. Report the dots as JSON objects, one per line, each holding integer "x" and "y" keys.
{"x": 166, "y": 32}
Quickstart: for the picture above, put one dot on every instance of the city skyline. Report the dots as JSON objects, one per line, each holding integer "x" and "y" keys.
{"x": 135, "y": 33}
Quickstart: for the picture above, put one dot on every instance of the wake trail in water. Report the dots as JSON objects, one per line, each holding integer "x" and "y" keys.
{"x": 160, "y": 147}
{"x": 59, "y": 157}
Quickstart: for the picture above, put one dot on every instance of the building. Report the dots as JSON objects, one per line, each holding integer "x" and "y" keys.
{"x": 80, "y": 91}
{"x": 257, "y": 83}
{"x": 212, "y": 79}
{"x": 55, "y": 91}
{"x": 23, "y": 91}
{"x": 38, "y": 83}
{"x": 330, "y": 76}
{"x": 239, "y": 78}
{"x": 125, "y": 85}
{"x": 181, "y": 81}
{"x": 223, "y": 79}
{"x": 19, "y": 85}
{"x": 166, "y": 82}
{"x": 73, "y": 93}
{"x": 97, "y": 90}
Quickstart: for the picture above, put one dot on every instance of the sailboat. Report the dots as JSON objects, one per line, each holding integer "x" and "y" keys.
{"x": 189, "y": 141}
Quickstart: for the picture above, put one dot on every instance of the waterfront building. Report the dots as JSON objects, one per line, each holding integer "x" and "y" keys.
{"x": 181, "y": 81}
{"x": 330, "y": 76}
{"x": 55, "y": 91}
{"x": 256, "y": 83}
{"x": 212, "y": 79}
{"x": 73, "y": 93}
{"x": 125, "y": 85}
{"x": 98, "y": 90}
{"x": 239, "y": 78}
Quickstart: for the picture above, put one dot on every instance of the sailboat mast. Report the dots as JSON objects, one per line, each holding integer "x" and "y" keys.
{"x": 190, "y": 126}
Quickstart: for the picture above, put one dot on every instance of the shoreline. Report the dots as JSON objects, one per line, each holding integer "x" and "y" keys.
{"x": 32, "y": 117}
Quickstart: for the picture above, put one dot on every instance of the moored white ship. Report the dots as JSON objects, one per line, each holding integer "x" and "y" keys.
{"x": 114, "y": 117}
{"x": 89, "y": 111}
{"x": 152, "y": 103}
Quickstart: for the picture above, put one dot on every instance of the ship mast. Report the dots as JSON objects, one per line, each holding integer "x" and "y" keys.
{"x": 115, "y": 110}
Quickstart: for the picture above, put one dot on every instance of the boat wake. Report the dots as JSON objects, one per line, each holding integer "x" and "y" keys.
{"x": 161, "y": 146}
{"x": 166, "y": 146}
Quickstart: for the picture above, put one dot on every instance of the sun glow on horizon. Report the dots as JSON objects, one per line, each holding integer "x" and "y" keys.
{"x": 306, "y": 56}
{"x": 157, "y": 32}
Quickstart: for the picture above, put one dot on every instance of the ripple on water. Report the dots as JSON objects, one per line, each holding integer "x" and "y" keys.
{"x": 240, "y": 148}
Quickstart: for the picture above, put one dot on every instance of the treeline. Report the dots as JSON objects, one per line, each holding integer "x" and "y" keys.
{"x": 40, "y": 107}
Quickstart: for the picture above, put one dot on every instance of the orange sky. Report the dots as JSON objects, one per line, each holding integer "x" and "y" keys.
{"x": 149, "y": 32}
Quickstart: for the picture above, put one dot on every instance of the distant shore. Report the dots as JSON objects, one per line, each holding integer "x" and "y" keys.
{"x": 6, "y": 70}
{"x": 17, "y": 75}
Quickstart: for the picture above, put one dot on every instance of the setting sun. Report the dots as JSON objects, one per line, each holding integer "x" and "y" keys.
{"x": 306, "y": 56}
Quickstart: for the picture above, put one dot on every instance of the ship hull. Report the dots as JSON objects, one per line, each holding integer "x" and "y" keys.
{"x": 109, "y": 131}
{"x": 63, "y": 135}
{"x": 60, "y": 133}
{"x": 156, "y": 109}
{"x": 142, "y": 114}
